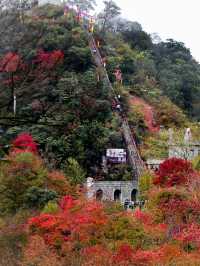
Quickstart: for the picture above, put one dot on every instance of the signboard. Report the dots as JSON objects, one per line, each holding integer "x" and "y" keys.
{"x": 116, "y": 155}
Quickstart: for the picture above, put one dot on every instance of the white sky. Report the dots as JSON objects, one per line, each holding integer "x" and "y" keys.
{"x": 176, "y": 19}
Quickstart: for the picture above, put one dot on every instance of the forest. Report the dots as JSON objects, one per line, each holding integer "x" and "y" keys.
{"x": 57, "y": 119}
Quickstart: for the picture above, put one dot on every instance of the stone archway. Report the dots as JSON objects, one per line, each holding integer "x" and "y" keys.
{"x": 117, "y": 195}
{"x": 99, "y": 194}
{"x": 134, "y": 194}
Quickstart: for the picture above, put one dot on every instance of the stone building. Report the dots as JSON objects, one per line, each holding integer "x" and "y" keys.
{"x": 112, "y": 190}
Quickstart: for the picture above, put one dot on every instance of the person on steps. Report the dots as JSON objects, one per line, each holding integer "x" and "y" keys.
{"x": 104, "y": 62}
{"x": 91, "y": 25}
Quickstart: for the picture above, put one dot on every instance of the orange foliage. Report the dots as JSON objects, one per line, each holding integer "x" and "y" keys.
{"x": 38, "y": 253}
{"x": 76, "y": 220}
{"x": 58, "y": 182}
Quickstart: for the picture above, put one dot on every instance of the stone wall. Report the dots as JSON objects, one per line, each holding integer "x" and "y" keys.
{"x": 112, "y": 190}
{"x": 188, "y": 152}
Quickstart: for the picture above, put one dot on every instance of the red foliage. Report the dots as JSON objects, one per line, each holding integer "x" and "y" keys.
{"x": 126, "y": 256}
{"x": 24, "y": 142}
{"x": 190, "y": 234}
{"x": 84, "y": 225}
{"x": 66, "y": 203}
{"x": 75, "y": 219}
{"x": 96, "y": 256}
{"x": 173, "y": 172}
{"x": 49, "y": 60}
{"x": 10, "y": 62}
{"x": 174, "y": 206}
{"x": 143, "y": 217}
{"x": 147, "y": 257}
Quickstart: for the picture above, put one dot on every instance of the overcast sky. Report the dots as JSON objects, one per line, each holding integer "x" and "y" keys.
{"x": 176, "y": 19}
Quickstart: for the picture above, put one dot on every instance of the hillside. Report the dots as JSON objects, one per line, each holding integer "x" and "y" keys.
{"x": 59, "y": 115}
{"x": 59, "y": 99}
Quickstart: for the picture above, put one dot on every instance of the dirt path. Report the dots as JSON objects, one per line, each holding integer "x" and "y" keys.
{"x": 147, "y": 111}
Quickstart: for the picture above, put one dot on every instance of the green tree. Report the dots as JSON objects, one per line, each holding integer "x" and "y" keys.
{"x": 18, "y": 177}
{"x": 145, "y": 183}
{"x": 196, "y": 163}
{"x": 74, "y": 171}
{"x": 178, "y": 74}
{"x": 111, "y": 11}
{"x": 138, "y": 39}
{"x": 37, "y": 197}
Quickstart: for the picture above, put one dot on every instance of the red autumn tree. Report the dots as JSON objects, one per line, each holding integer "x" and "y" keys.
{"x": 173, "y": 172}
{"x": 24, "y": 142}
{"x": 189, "y": 234}
{"x": 48, "y": 60}
{"x": 19, "y": 75}
{"x": 10, "y": 62}
{"x": 76, "y": 219}
{"x": 10, "y": 66}
{"x": 126, "y": 256}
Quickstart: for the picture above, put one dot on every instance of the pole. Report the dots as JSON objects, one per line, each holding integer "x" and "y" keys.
{"x": 14, "y": 104}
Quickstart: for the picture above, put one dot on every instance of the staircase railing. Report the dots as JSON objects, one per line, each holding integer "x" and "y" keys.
{"x": 134, "y": 157}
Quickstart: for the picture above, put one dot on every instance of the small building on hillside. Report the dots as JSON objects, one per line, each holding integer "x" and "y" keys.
{"x": 112, "y": 190}
{"x": 116, "y": 156}
{"x": 153, "y": 164}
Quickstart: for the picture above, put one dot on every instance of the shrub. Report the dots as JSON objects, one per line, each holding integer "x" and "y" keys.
{"x": 24, "y": 142}
{"x": 145, "y": 183}
{"x": 37, "y": 197}
{"x": 57, "y": 182}
{"x": 196, "y": 163}
{"x": 38, "y": 253}
{"x": 50, "y": 207}
{"x": 173, "y": 172}
{"x": 22, "y": 172}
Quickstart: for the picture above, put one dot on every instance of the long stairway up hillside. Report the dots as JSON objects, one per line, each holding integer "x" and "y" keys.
{"x": 134, "y": 157}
